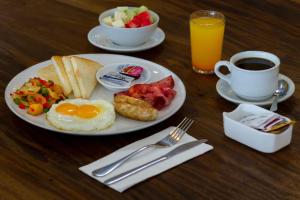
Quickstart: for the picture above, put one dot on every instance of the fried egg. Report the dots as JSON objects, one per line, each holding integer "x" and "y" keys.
{"x": 81, "y": 114}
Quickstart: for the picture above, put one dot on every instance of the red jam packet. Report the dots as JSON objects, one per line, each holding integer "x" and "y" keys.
{"x": 132, "y": 71}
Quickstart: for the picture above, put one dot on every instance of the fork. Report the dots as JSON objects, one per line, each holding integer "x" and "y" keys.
{"x": 171, "y": 139}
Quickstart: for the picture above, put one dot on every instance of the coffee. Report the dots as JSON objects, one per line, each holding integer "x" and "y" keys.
{"x": 258, "y": 81}
{"x": 254, "y": 63}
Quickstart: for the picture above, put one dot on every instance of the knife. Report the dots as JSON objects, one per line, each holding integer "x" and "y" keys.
{"x": 177, "y": 150}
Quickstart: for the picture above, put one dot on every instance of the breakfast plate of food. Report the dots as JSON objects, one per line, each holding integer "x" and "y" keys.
{"x": 63, "y": 94}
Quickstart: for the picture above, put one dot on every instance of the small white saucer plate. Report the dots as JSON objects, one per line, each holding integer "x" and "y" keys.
{"x": 97, "y": 38}
{"x": 225, "y": 91}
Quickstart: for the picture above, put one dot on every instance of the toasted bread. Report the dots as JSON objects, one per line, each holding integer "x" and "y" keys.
{"x": 62, "y": 75}
{"x": 71, "y": 75}
{"x": 85, "y": 73}
{"x": 49, "y": 73}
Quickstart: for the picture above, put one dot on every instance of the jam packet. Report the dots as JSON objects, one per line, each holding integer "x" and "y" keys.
{"x": 117, "y": 79}
{"x": 131, "y": 70}
{"x": 266, "y": 122}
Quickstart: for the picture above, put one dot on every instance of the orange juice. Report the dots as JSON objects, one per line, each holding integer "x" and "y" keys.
{"x": 206, "y": 42}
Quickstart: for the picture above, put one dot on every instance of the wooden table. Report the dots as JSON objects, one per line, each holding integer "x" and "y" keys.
{"x": 39, "y": 164}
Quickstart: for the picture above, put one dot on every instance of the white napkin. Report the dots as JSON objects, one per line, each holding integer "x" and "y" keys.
{"x": 143, "y": 157}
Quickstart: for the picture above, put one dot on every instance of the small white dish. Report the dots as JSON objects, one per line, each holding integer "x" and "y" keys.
{"x": 97, "y": 38}
{"x": 225, "y": 91}
{"x": 261, "y": 141}
{"x": 116, "y": 67}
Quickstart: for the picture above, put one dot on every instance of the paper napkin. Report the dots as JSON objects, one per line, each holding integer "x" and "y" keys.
{"x": 145, "y": 156}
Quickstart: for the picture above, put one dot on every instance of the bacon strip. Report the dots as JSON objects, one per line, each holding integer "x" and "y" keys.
{"x": 159, "y": 94}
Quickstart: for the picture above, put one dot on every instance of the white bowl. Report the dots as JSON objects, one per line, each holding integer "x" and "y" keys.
{"x": 115, "y": 67}
{"x": 128, "y": 36}
{"x": 261, "y": 141}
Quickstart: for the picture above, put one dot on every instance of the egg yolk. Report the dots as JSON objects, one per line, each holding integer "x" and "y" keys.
{"x": 87, "y": 111}
{"x": 66, "y": 109}
{"x": 83, "y": 111}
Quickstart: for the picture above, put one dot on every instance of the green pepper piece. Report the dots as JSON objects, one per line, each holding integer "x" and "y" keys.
{"x": 17, "y": 100}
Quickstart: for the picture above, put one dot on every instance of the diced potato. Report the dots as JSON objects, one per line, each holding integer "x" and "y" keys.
{"x": 51, "y": 101}
{"x": 35, "y": 109}
{"x": 52, "y": 94}
{"x": 57, "y": 89}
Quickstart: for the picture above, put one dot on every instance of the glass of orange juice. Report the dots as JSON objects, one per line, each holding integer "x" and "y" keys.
{"x": 207, "y": 31}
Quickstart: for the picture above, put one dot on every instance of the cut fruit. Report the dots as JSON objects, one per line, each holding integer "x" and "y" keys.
{"x": 108, "y": 20}
{"x": 129, "y": 17}
{"x": 140, "y": 20}
{"x": 118, "y": 23}
{"x": 142, "y": 9}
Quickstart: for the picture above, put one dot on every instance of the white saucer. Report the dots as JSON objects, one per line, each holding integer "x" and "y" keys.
{"x": 224, "y": 90}
{"x": 98, "y": 39}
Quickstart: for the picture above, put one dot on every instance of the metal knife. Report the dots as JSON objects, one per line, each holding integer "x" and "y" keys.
{"x": 177, "y": 150}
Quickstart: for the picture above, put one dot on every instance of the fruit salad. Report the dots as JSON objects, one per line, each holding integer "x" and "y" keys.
{"x": 125, "y": 17}
{"x": 37, "y": 96}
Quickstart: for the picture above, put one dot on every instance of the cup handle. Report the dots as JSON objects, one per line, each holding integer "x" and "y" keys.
{"x": 218, "y": 65}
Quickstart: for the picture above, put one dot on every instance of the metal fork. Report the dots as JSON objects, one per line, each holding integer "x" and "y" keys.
{"x": 171, "y": 139}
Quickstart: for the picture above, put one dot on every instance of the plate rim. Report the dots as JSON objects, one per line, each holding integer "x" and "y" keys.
{"x": 130, "y": 49}
{"x": 258, "y": 103}
{"x": 98, "y": 133}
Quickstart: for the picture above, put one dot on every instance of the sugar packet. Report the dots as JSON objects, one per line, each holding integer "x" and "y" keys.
{"x": 266, "y": 122}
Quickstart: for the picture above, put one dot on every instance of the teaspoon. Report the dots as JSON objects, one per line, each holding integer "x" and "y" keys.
{"x": 280, "y": 91}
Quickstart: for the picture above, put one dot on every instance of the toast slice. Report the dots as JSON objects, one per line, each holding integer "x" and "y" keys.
{"x": 49, "y": 73}
{"x": 62, "y": 75}
{"x": 85, "y": 73}
{"x": 71, "y": 75}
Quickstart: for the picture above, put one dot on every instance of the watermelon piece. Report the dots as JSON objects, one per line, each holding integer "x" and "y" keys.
{"x": 145, "y": 22}
{"x": 140, "y": 20}
{"x": 144, "y": 15}
{"x": 131, "y": 24}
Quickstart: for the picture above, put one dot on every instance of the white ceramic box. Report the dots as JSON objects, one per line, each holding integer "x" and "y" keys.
{"x": 261, "y": 141}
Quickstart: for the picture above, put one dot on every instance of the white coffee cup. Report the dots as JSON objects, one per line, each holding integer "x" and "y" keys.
{"x": 252, "y": 85}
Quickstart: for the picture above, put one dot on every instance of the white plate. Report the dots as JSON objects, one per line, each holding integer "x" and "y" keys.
{"x": 98, "y": 39}
{"x": 122, "y": 124}
{"x": 224, "y": 90}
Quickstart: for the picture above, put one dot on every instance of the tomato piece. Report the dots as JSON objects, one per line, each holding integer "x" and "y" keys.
{"x": 22, "y": 106}
{"x": 46, "y": 105}
{"x": 44, "y": 83}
